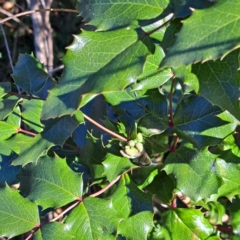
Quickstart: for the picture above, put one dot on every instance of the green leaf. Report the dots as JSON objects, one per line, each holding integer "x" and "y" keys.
{"x": 132, "y": 228}
{"x": 14, "y": 118}
{"x": 6, "y": 130}
{"x": 55, "y": 230}
{"x": 215, "y": 213}
{"x": 118, "y": 13}
{"x": 200, "y": 41}
{"x": 96, "y": 217}
{"x": 18, "y": 215}
{"x": 228, "y": 167}
{"x": 162, "y": 187}
{"x": 190, "y": 223}
{"x": 115, "y": 166}
{"x": 29, "y": 74}
{"x": 219, "y": 82}
{"x": 55, "y": 133}
{"x": 50, "y": 175}
{"x": 109, "y": 58}
{"x": 156, "y": 119}
{"x": 5, "y": 88}
{"x": 202, "y": 126}
{"x": 92, "y": 156}
{"x": 152, "y": 77}
{"x": 31, "y": 112}
{"x": 7, "y": 105}
{"x": 195, "y": 172}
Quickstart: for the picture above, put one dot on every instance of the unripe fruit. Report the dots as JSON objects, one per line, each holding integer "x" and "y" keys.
{"x": 131, "y": 143}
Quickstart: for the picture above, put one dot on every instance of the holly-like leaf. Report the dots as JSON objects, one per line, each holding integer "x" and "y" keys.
{"x": 219, "y": 82}
{"x": 118, "y": 13}
{"x": 215, "y": 213}
{"x": 106, "y": 58}
{"x": 195, "y": 172}
{"x": 115, "y": 166}
{"x": 50, "y": 182}
{"x": 200, "y": 41}
{"x": 55, "y": 230}
{"x": 29, "y": 74}
{"x": 31, "y": 111}
{"x": 7, "y": 105}
{"x": 201, "y": 126}
{"x": 96, "y": 217}
{"x": 7, "y": 172}
{"x": 18, "y": 215}
{"x": 190, "y": 223}
{"x": 55, "y": 133}
{"x": 152, "y": 77}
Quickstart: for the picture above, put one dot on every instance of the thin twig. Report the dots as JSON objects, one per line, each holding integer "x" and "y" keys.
{"x": 56, "y": 69}
{"x": 16, "y": 20}
{"x": 66, "y": 210}
{"x": 121, "y": 138}
{"x": 7, "y": 48}
{"x": 38, "y": 10}
{"x": 20, "y": 130}
{"x": 106, "y": 188}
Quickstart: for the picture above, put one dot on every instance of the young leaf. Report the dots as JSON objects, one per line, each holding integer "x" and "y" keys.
{"x": 115, "y": 166}
{"x": 6, "y": 130}
{"x": 118, "y": 13}
{"x": 18, "y": 215}
{"x": 109, "y": 58}
{"x": 195, "y": 172}
{"x": 29, "y": 74}
{"x": 50, "y": 175}
{"x": 200, "y": 41}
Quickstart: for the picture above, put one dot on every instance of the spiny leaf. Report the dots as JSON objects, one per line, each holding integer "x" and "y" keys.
{"x": 118, "y": 13}
{"x": 201, "y": 125}
{"x": 190, "y": 223}
{"x": 18, "y": 215}
{"x": 96, "y": 217}
{"x": 50, "y": 182}
{"x": 55, "y": 133}
{"x": 195, "y": 172}
{"x": 219, "y": 82}
{"x": 29, "y": 74}
{"x": 200, "y": 41}
{"x": 97, "y": 62}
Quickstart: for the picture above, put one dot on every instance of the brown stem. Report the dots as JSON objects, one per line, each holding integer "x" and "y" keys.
{"x": 106, "y": 188}
{"x": 171, "y": 123}
{"x": 20, "y": 130}
{"x": 174, "y": 146}
{"x": 39, "y": 10}
{"x": 25, "y": 96}
{"x": 121, "y": 138}
{"x": 66, "y": 210}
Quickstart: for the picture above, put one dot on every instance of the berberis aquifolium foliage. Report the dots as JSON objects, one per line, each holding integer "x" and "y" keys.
{"x": 161, "y": 81}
